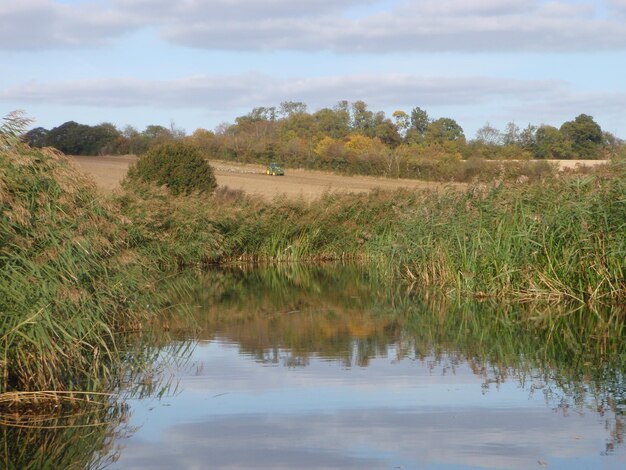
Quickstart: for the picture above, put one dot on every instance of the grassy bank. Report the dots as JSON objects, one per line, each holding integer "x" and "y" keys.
{"x": 68, "y": 281}
{"x": 76, "y": 270}
{"x": 563, "y": 238}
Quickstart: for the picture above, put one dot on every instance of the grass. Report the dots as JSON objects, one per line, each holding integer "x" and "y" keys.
{"x": 66, "y": 288}
{"x": 563, "y": 239}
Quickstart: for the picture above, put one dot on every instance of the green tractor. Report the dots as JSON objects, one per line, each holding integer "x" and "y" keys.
{"x": 274, "y": 169}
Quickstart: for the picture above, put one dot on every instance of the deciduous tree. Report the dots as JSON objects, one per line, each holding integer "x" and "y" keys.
{"x": 585, "y": 136}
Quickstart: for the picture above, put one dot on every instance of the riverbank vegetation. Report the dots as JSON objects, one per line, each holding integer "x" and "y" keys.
{"x": 78, "y": 270}
{"x": 68, "y": 283}
{"x": 562, "y": 238}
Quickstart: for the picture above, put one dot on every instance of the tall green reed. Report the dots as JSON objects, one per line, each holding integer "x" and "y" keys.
{"x": 66, "y": 286}
{"x": 562, "y": 238}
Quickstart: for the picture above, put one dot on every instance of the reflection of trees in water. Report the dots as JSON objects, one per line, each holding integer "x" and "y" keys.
{"x": 289, "y": 313}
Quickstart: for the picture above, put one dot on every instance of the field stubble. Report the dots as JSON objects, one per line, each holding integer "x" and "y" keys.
{"x": 108, "y": 172}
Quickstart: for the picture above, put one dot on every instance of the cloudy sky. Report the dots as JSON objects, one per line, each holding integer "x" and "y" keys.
{"x": 202, "y": 62}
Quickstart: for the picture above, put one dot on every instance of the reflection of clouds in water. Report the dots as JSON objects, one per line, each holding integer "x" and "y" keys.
{"x": 379, "y": 438}
{"x": 326, "y": 385}
{"x": 236, "y": 413}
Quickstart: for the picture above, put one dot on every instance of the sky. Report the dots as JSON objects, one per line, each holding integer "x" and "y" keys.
{"x": 199, "y": 63}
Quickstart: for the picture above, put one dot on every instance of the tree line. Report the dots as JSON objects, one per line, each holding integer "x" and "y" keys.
{"x": 73, "y": 138}
{"x": 348, "y": 137}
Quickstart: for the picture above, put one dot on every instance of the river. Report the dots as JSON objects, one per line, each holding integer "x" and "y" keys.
{"x": 333, "y": 367}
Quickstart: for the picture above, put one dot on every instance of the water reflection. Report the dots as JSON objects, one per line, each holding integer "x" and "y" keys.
{"x": 378, "y": 438}
{"x": 348, "y": 314}
{"x": 84, "y": 438}
{"x": 333, "y": 367}
{"x": 317, "y": 367}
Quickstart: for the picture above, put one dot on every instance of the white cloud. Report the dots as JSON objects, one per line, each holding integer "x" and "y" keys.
{"x": 617, "y": 9}
{"x": 249, "y": 90}
{"x": 464, "y": 7}
{"x": 235, "y": 9}
{"x": 411, "y": 25}
{"x": 564, "y": 104}
{"x": 44, "y": 24}
{"x": 471, "y": 100}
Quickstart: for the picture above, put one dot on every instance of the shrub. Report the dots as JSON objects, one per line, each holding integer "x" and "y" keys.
{"x": 181, "y": 167}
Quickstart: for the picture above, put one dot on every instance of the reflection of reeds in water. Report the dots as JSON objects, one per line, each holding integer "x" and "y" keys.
{"x": 320, "y": 310}
{"x": 78, "y": 430}
{"x": 326, "y": 311}
{"x": 73, "y": 431}
{"x": 46, "y": 409}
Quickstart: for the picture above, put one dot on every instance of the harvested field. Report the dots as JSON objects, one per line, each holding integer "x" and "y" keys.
{"x": 108, "y": 172}
{"x": 563, "y": 164}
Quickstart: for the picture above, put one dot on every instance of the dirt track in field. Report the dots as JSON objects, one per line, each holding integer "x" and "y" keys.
{"x": 108, "y": 172}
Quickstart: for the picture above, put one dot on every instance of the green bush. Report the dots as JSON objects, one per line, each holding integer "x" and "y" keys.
{"x": 181, "y": 167}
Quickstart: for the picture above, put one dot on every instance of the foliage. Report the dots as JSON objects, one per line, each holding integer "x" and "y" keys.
{"x": 181, "y": 167}
{"x": 585, "y": 136}
{"x": 76, "y": 269}
{"x": 79, "y": 139}
{"x": 411, "y": 142}
{"x": 36, "y": 137}
{"x": 444, "y": 130}
{"x": 291, "y": 135}
{"x": 555, "y": 238}
{"x": 71, "y": 277}
{"x": 551, "y": 143}
{"x": 12, "y": 128}
{"x": 419, "y": 121}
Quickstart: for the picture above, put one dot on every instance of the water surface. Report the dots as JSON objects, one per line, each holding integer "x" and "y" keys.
{"x": 328, "y": 368}
{"x": 333, "y": 367}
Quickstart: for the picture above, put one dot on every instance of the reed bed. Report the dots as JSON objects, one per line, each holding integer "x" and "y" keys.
{"x": 65, "y": 290}
{"x": 562, "y": 239}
